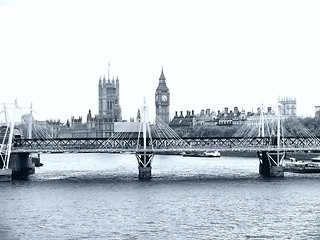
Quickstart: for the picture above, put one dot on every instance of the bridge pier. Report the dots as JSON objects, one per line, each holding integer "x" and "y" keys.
{"x": 144, "y": 160}
{"x": 144, "y": 172}
{"x": 269, "y": 165}
{"x": 20, "y": 165}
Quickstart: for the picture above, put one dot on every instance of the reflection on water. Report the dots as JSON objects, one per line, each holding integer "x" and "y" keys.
{"x": 99, "y": 196}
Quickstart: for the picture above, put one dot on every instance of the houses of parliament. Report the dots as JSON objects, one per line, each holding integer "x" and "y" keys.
{"x": 109, "y": 117}
{"x": 102, "y": 124}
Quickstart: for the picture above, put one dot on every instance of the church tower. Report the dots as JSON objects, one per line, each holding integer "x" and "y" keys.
{"x": 162, "y": 99}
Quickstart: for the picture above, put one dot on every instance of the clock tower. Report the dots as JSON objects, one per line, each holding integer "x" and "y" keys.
{"x": 162, "y": 99}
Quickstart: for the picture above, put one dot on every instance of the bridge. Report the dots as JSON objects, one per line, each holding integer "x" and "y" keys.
{"x": 159, "y": 145}
{"x": 271, "y": 136}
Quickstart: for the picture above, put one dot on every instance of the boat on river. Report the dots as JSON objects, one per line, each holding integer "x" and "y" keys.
{"x": 202, "y": 154}
{"x": 302, "y": 166}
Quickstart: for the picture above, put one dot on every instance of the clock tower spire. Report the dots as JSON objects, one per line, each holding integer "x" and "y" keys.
{"x": 162, "y": 99}
{"x": 162, "y": 78}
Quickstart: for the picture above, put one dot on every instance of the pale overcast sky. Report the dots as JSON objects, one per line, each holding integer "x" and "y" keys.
{"x": 215, "y": 54}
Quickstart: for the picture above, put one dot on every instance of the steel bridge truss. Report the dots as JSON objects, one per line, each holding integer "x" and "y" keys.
{"x": 102, "y": 144}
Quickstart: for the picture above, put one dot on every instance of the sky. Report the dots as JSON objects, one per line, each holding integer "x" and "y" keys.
{"x": 214, "y": 54}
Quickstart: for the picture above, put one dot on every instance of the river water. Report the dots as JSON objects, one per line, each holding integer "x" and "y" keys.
{"x": 99, "y": 196}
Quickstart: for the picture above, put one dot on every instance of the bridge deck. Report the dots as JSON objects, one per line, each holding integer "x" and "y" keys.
{"x": 165, "y": 145}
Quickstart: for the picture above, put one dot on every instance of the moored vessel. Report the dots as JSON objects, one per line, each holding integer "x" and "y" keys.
{"x": 202, "y": 154}
{"x": 302, "y": 166}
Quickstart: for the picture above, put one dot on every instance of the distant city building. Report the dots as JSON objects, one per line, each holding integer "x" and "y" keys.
{"x": 317, "y": 111}
{"x": 231, "y": 117}
{"x": 289, "y": 107}
{"x": 109, "y": 100}
{"x": 239, "y": 117}
{"x": 162, "y": 99}
{"x": 109, "y": 119}
{"x": 102, "y": 124}
{"x": 109, "y": 107}
{"x": 183, "y": 123}
{"x": 206, "y": 117}
{"x": 254, "y": 119}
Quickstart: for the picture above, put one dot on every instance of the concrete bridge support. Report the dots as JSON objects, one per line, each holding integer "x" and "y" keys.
{"x": 144, "y": 158}
{"x": 144, "y": 172}
{"x": 270, "y": 163}
{"x": 20, "y": 164}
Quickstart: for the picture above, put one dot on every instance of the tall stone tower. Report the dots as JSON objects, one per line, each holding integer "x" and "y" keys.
{"x": 109, "y": 99}
{"x": 162, "y": 99}
{"x": 109, "y": 107}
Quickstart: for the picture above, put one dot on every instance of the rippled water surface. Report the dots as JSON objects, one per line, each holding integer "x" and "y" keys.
{"x": 98, "y": 196}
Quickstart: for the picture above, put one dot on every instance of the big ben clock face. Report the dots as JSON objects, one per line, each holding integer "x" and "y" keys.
{"x": 164, "y": 98}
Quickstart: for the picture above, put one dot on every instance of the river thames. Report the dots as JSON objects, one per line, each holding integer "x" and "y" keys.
{"x": 99, "y": 196}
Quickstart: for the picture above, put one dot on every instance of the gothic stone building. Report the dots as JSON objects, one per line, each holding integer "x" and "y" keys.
{"x": 109, "y": 107}
{"x": 102, "y": 124}
{"x": 162, "y": 99}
